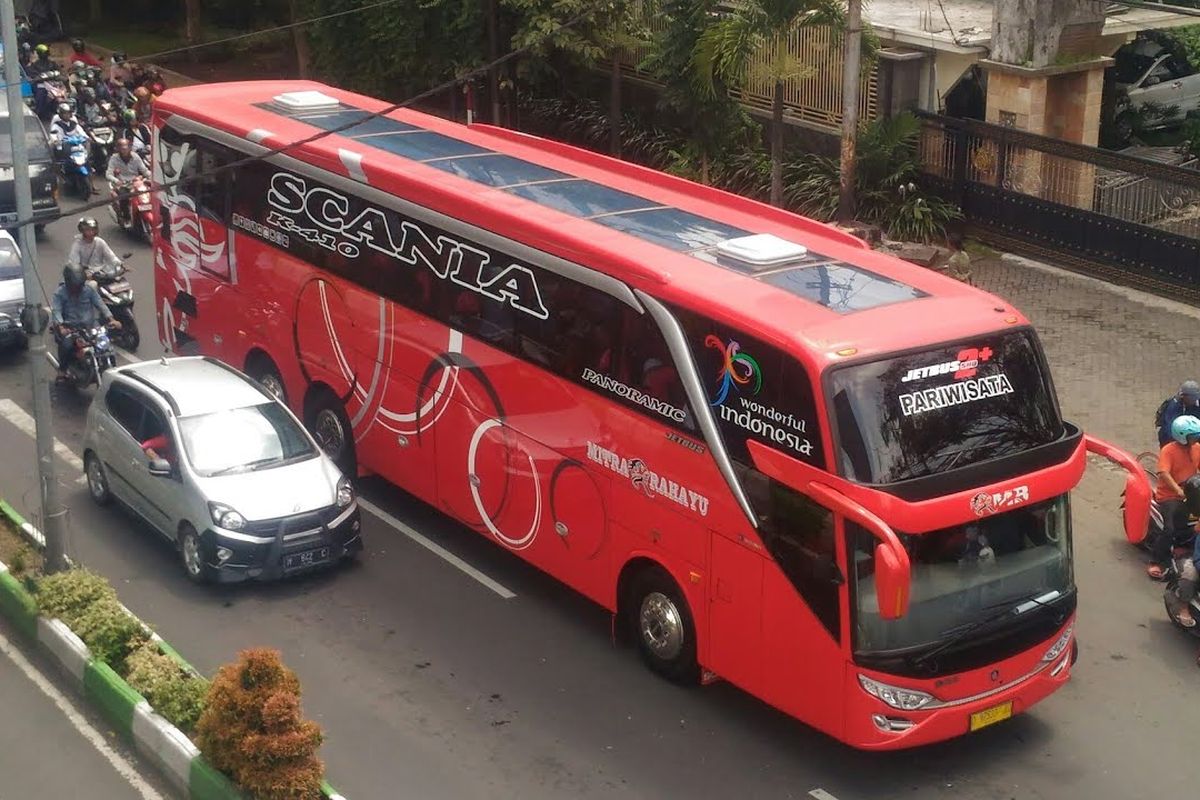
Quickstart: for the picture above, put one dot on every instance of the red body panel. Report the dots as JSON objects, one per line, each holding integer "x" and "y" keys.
{"x": 543, "y": 466}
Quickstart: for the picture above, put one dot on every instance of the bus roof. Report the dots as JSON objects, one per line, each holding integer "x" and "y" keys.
{"x": 657, "y": 232}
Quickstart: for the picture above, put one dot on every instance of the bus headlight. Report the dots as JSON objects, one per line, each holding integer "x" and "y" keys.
{"x": 894, "y": 696}
{"x": 1061, "y": 644}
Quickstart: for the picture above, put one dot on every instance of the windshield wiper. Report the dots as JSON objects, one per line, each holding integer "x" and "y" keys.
{"x": 1015, "y": 608}
{"x": 248, "y": 466}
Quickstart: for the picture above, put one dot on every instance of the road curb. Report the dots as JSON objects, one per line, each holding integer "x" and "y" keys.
{"x": 163, "y": 744}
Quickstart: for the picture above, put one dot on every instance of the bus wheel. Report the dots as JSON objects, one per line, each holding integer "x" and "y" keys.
{"x": 331, "y": 428}
{"x": 263, "y": 370}
{"x": 662, "y": 625}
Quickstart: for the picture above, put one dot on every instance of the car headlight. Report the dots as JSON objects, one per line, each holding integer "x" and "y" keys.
{"x": 226, "y": 517}
{"x": 1061, "y": 644}
{"x": 894, "y": 696}
{"x": 345, "y": 493}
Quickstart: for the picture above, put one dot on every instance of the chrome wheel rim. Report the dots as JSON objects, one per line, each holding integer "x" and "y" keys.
{"x": 95, "y": 476}
{"x": 273, "y": 386}
{"x": 661, "y": 626}
{"x": 329, "y": 433}
{"x": 191, "y": 554}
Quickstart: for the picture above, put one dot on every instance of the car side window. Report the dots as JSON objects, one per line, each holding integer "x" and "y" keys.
{"x": 125, "y": 408}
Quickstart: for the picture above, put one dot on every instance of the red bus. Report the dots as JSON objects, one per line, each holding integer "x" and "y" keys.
{"x": 834, "y": 479}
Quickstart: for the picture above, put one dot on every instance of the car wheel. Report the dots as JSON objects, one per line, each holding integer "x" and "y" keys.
{"x": 663, "y": 627}
{"x": 327, "y": 421}
{"x": 191, "y": 554}
{"x": 97, "y": 480}
{"x": 263, "y": 370}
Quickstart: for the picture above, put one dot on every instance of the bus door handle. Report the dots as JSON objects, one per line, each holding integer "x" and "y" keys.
{"x": 474, "y": 480}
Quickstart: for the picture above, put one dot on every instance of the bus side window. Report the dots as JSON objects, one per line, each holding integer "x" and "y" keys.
{"x": 799, "y": 534}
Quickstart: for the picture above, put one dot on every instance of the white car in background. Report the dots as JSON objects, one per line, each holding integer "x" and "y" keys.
{"x": 1157, "y": 88}
{"x": 12, "y": 295}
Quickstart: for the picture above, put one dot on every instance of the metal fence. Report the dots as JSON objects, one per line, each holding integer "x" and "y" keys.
{"x": 815, "y": 98}
{"x": 1126, "y": 213}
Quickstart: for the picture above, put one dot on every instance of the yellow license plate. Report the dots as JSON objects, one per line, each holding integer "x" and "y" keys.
{"x": 990, "y": 716}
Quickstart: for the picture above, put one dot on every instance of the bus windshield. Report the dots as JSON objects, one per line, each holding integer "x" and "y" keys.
{"x": 963, "y": 573}
{"x": 931, "y": 411}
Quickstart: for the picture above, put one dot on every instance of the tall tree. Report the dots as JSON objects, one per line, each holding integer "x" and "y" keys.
{"x": 300, "y": 38}
{"x": 191, "y": 26}
{"x": 750, "y": 44}
{"x": 600, "y": 33}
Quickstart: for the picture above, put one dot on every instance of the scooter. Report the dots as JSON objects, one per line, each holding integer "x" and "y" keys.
{"x": 1179, "y": 558}
{"x": 94, "y": 354}
{"x": 138, "y": 218}
{"x": 117, "y": 293}
{"x": 102, "y": 146}
{"x": 77, "y": 174}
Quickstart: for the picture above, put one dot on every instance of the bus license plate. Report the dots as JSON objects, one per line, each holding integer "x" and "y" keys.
{"x": 306, "y": 559}
{"x": 990, "y": 716}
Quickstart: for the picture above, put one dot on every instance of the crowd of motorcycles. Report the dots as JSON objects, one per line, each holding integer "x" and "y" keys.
{"x": 110, "y": 102}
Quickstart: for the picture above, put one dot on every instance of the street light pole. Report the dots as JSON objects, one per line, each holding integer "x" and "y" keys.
{"x": 851, "y": 80}
{"x": 53, "y": 515}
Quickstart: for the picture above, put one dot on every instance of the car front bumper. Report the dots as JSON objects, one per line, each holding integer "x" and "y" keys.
{"x": 236, "y": 556}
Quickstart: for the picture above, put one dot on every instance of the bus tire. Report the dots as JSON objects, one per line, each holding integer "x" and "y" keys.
{"x": 327, "y": 421}
{"x": 261, "y": 368}
{"x": 661, "y": 624}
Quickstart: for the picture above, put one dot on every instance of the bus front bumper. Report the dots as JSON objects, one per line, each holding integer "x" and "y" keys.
{"x": 872, "y": 724}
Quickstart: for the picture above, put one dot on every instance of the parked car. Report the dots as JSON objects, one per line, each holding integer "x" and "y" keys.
{"x": 1156, "y": 88}
{"x": 12, "y": 295}
{"x": 42, "y": 178}
{"x": 220, "y": 468}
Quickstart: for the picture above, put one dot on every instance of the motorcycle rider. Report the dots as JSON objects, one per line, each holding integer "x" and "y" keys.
{"x": 90, "y": 113}
{"x": 42, "y": 63}
{"x": 65, "y": 125}
{"x": 138, "y": 133}
{"x": 76, "y": 305}
{"x": 1185, "y": 401}
{"x": 1178, "y": 461}
{"x": 89, "y": 252}
{"x": 119, "y": 74}
{"x": 80, "y": 53}
{"x": 123, "y": 166}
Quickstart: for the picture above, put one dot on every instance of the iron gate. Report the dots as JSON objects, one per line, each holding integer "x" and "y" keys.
{"x": 1112, "y": 212}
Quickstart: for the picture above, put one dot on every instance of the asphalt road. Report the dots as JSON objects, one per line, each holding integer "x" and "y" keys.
{"x": 432, "y": 684}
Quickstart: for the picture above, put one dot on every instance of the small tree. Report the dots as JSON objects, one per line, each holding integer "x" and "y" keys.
{"x": 252, "y": 729}
{"x": 730, "y": 51}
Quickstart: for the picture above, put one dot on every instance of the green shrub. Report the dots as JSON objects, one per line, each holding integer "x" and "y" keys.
{"x": 174, "y": 693}
{"x": 66, "y": 595}
{"x": 110, "y": 632}
{"x": 252, "y": 730}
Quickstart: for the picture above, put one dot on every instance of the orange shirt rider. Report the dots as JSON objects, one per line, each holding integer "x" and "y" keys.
{"x": 1176, "y": 463}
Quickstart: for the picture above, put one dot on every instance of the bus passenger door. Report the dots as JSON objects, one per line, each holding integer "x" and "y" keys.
{"x": 735, "y": 636}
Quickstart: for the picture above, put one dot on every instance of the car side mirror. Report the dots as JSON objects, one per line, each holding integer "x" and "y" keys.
{"x": 160, "y": 467}
{"x": 892, "y": 581}
{"x": 1153, "y": 81}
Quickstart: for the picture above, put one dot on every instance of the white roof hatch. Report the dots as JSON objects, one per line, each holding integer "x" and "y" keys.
{"x": 762, "y": 250}
{"x": 309, "y": 100}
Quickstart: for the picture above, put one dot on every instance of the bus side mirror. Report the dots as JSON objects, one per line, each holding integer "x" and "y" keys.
{"x": 892, "y": 582}
{"x": 1137, "y": 487}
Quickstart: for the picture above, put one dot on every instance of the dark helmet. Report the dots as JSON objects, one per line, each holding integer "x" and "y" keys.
{"x": 1190, "y": 390}
{"x": 87, "y": 222}
{"x": 42, "y": 50}
{"x": 73, "y": 276}
{"x": 77, "y": 45}
{"x": 89, "y": 94}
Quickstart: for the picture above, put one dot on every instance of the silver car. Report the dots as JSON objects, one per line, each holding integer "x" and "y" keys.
{"x": 220, "y": 468}
{"x": 12, "y": 295}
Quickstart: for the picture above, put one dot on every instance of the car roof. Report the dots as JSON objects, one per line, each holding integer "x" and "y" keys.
{"x": 196, "y": 385}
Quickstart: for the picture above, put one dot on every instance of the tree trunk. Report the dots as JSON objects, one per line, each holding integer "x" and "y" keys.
{"x": 493, "y": 54}
{"x": 777, "y": 146}
{"x": 851, "y": 80}
{"x": 95, "y": 12}
{"x": 614, "y": 104}
{"x": 704, "y": 168}
{"x": 191, "y": 29}
{"x": 300, "y": 37}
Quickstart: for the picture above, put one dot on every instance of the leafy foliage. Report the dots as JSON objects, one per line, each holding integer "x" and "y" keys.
{"x": 174, "y": 693}
{"x": 252, "y": 730}
{"x": 600, "y": 26}
{"x": 110, "y": 632}
{"x": 68, "y": 594}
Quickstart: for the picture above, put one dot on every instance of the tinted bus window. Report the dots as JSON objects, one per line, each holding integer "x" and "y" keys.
{"x": 756, "y": 391}
{"x": 952, "y": 406}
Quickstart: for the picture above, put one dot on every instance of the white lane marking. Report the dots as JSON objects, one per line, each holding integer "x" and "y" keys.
{"x": 438, "y": 550}
{"x": 80, "y": 723}
{"x": 821, "y": 794}
{"x": 17, "y": 416}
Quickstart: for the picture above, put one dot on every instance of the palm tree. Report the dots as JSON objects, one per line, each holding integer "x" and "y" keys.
{"x": 732, "y": 51}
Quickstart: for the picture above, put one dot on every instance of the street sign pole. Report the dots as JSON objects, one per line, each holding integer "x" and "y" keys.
{"x": 53, "y": 514}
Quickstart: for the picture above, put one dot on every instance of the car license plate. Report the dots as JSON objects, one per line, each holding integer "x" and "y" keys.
{"x": 305, "y": 559}
{"x": 8, "y": 217}
{"x": 990, "y": 716}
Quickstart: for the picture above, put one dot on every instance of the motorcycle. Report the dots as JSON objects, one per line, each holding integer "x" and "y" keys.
{"x": 48, "y": 92}
{"x": 1179, "y": 556}
{"x": 117, "y": 293}
{"x": 102, "y": 146}
{"x": 77, "y": 175}
{"x": 94, "y": 354}
{"x": 137, "y": 219}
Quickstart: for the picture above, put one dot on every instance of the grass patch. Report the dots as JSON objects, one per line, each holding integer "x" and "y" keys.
{"x": 977, "y": 250}
{"x": 22, "y": 559}
{"x": 136, "y": 41}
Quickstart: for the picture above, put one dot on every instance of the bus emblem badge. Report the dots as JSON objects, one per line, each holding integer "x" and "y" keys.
{"x": 982, "y": 504}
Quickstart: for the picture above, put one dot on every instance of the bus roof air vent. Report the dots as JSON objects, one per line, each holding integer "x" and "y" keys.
{"x": 305, "y": 101}
{"x": 762, "y": 251}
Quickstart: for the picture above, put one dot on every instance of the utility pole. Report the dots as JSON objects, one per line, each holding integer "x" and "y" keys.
{"x": 53, "y": 514}
{"x": 493, "y": 54}
{"x": 851, "y": 80}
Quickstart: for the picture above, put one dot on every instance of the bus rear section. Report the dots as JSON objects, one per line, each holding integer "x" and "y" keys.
{"x": 852, "y": 503}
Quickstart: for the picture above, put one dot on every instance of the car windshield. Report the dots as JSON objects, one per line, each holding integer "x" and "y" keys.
{"x": 10, "y": 261}
{"x": 35, "y": 140}
{"x": 964, "y": 574}
{"x": 243, "y": 439}
{"x": 935, "y": 410}
{"x": 1132, "y": 66}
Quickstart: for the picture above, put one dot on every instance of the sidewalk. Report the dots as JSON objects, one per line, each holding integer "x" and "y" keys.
{"x": 1114, "y": 352}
